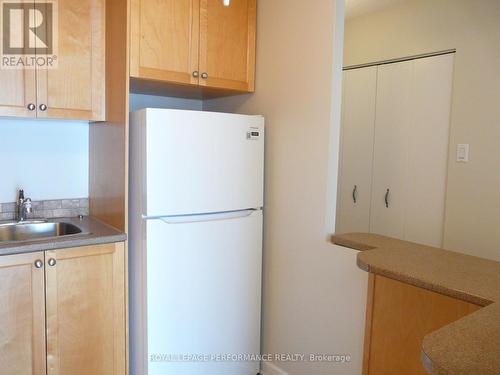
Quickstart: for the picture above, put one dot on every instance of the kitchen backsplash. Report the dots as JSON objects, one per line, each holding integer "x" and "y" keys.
{"x": 48, "y": 209}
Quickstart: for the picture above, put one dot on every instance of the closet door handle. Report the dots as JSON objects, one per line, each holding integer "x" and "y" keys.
{"x": 354, "y": 193}
{"x": 386, "y": 198}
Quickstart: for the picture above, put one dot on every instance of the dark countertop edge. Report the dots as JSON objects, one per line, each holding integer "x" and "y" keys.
{"x": 61, "y": 244}
{"x": 103, "y": 235}
{"x": 340, "y": 240}
{"x": 463, "y": 296}
{"x": 350, "y": 244}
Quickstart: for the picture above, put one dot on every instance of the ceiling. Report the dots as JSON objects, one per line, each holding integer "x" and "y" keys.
{"x": 354, "y": 8}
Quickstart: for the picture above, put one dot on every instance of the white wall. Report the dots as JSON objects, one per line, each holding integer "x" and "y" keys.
{"x": 138, "y": 101}
{"x": 473, "y": 28}
{"x": 314, "y": 295}
{"x": 49, "y": 159}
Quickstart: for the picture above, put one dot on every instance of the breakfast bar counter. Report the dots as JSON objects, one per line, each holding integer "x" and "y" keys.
{"x": 467, "y": 346}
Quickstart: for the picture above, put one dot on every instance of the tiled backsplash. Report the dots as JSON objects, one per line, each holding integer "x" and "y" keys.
{"x": 48, "y": 209}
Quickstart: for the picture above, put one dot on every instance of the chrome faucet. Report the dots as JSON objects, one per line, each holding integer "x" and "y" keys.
{"x": 24, "y": 206}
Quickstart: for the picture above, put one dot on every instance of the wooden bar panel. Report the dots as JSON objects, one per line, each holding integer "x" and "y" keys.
{"x": 398, "y": 317}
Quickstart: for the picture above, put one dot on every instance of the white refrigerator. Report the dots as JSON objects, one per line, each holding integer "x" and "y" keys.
{"x": 195, "y": 242}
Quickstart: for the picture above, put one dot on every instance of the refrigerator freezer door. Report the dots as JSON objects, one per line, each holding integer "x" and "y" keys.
{"x": 204, "y": 295}
{"x": 200, "y": 162}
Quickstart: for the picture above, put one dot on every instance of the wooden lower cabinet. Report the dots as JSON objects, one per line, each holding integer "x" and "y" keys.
{"x": 22, "y": 314}
{"x": 70, "y": 313}
{"x": 397, "y": 319}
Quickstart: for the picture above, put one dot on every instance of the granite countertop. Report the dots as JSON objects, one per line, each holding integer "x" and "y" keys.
{"x": 469, "y": 346}
{"x": 94, "y": 232}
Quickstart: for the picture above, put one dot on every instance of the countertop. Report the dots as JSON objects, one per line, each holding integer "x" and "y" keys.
{"x": 94, "y": 232}
{"x": 469, "y": 346}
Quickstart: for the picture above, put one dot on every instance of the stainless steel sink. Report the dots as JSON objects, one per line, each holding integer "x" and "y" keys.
{"x": 35, "y": 230}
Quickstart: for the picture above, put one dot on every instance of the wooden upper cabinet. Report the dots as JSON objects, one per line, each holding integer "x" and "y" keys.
{"x": 75, "y": 89}
{"x": 22, "y": 314}
{"x": 227, "y": 44}
{"x": 198, "y": 44}
{"x": 18, "y": 95}
{"x": 85, "y": 302}
{"x": 164, "y": 41}
{"x": 68, "y": 82}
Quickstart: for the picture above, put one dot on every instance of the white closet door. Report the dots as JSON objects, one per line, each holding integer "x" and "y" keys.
{"x": 428, "y": 150}
{"x": 358, "y": 117}
{"x": 390, "y": 163}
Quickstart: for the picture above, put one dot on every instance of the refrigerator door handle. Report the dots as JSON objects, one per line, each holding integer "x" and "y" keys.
{"x": 183, "y": 219}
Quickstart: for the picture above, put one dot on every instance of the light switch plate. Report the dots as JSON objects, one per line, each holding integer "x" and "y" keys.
{"x": 462, "y": 153}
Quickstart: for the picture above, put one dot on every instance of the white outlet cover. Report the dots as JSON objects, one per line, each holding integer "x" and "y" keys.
{"x": 462, "y": 153}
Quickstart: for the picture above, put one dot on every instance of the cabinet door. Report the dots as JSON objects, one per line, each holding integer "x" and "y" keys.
{"x": 75, "y": 87}
{"x": 22, "y": 315}
{"x": 390, "y": 156}
{"x": 358, "y": 121}
{"x": 164, "y": 40}
{"x": 17, "y": 93}
{"x": 18, "y": 90}
{"x": 227, "y": 44}
{"x": 86, "y": 310}
{"x": 428, "y": 150}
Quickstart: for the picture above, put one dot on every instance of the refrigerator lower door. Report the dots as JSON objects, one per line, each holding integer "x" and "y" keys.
{"x": 204, "y": 294}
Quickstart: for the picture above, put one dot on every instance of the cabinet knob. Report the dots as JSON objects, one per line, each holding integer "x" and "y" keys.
{"x": 204, "y": 75}
{"x": 52, "y": 262}
{"x": 43, "y": 107}
{"x": 196, "y": 74}
{"x": 38, "y": 263}
{"x": 31, "y": 107}
{"x": 386, "y": 198}
{"x": 355, "y": 194}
